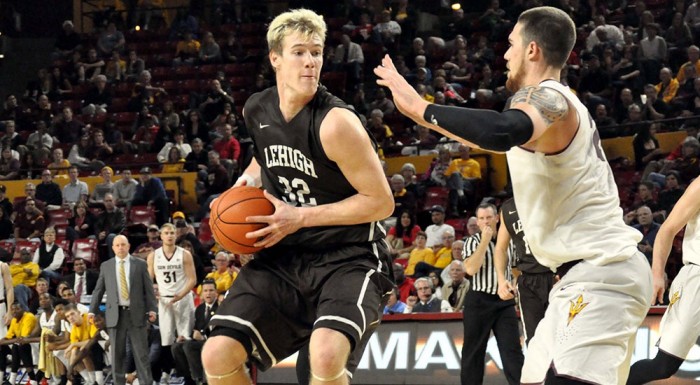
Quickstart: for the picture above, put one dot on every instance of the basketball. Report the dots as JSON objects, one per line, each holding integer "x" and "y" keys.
{"x": 228, "y": 214}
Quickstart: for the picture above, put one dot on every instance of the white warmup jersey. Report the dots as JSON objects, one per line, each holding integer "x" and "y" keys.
{"x": 691, "y": 241}
{"x": 568, "y": 202}
{"x": 47, "y": 323}
{"x": 169, "y": 272}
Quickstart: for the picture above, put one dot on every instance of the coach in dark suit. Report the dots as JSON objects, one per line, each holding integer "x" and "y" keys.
{"x": 131, "y": 304}
{"x": 188, "y": 353}
{"x": 82, "y": 281}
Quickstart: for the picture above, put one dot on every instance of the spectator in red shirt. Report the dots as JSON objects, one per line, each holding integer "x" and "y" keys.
{"x": 229, "y": 149}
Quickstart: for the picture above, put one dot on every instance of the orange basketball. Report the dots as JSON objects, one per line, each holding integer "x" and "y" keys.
{"x": 228, "y": 214}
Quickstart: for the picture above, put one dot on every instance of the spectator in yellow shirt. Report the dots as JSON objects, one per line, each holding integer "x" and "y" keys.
{"x": 187, "y": 50}
{"x": 84, "y": 356}
{"x": 59, "y": 165}
{"x": 444, "y": 255}
{"x": 21, "y": 328}
{"x": 693, "y": 62}
{"x": 462, "y": 176}
{"x": 222, "y": 275}
{"x": 24, "y": 275}
{"x": 420, "y": 253}
{"x": 441, "y": 259}
{"x": 668, "y": 87}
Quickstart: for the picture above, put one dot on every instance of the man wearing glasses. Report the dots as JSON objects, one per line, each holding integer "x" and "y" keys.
{"x": 423, "y": 302}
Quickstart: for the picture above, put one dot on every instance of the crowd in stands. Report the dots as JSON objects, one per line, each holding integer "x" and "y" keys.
{"x": 170, "y": 100}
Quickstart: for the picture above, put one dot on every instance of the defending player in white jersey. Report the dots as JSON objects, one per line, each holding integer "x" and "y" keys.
{"x": 680, "y": 326}
{"x": 567, "y": 200}
{"x": 173, "y": 268}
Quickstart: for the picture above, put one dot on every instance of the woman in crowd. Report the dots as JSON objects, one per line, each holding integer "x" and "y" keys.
{"x": 401, "y": 237}
{"x": 646, "y": 146}
{"x": 175, "y": 161}
{"x": 82, "y": 224}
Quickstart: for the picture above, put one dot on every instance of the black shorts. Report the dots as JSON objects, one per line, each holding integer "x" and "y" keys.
{"x": 284, "y": 293}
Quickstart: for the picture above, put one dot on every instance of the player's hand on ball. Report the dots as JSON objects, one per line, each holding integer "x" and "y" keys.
{"x": 286, "y": 220}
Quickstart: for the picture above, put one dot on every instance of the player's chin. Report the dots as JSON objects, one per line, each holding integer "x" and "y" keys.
{"x": 512, "y": 85}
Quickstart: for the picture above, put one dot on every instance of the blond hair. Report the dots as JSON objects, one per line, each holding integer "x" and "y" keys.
{"x": 167, "y": 225}
{"x": 304, "y": 21}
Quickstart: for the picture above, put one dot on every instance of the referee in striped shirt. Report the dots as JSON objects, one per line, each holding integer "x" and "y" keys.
{"x": 484, "y": 311}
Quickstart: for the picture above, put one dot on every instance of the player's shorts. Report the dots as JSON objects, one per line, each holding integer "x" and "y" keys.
{"x": 589, "y": 327}
{"x": 285, "y": 293}
{"x": 175, "y": 320}
{"x": 680, "y": 326}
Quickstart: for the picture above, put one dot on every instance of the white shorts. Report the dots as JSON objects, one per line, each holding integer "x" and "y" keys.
{"x": 680, "y": 326}
{"x": 589, "y": 327}
{"x": 61, "y": 355}
{"x": 176, "y": 320}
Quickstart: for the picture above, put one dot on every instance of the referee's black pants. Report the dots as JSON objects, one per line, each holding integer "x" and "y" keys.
{"x": 484, "y": 313}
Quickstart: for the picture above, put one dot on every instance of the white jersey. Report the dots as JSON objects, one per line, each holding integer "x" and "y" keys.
{"x": 691, "y": 241}
{"x": 170, "y": 272}
{"x": 47, "y": 322}
{"x": 568, "y": 202}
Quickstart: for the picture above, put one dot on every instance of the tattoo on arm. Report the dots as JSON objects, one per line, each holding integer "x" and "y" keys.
{"x": 551, "y": 105}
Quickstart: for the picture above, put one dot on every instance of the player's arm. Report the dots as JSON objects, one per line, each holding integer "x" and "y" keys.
{"x": 190, "y": 276}
{"x": 9, "y": 291}
{"x": 686, "y": 208}
{"x": 473, "y": 262}
{"x": 533, "y": 110}
{"x": 500, "y": 261}
{"x": 149, "y": 262}
{"x": 345, "y": 142}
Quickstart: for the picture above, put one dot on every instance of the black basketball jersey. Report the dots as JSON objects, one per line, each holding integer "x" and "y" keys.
{"x": 525, "y": 261}
{"x": 295, "y": 167}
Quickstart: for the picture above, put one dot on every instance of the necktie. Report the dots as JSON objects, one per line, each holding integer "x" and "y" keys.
{"x": 79, "y": 290}
{"x": 207, "y": 311}
{"x": 124, "y": 291}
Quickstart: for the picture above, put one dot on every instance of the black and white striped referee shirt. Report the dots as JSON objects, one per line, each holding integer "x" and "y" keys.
{"x": 485, "y": 279}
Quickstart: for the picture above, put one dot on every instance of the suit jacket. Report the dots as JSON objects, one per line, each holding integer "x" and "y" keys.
{"x": 141, "y": 295}
{"x": 90, "y": 280}
{"x": 447, "y": 291}
{"x": 201, "y": 321}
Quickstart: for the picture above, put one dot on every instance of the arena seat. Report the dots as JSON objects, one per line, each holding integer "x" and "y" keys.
{"x": 144, "y": 215}
{"x": 86, "y": 248}
{"x": 460, "y": 226}
{"x": 59, "y": 217}
{"x": 436, "y": 195}
{"x": 28, "y": 244}
{"x": 7, "y": 245}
